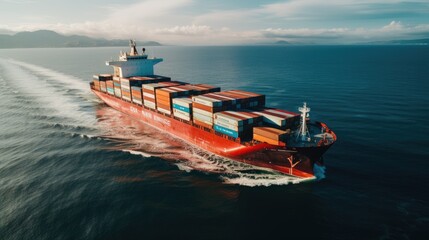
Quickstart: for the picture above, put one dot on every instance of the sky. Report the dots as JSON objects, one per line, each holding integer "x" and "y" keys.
{"x": 223, "y": 22}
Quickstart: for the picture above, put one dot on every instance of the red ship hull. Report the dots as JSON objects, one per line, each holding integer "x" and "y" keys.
{"x": 262, "y": 155}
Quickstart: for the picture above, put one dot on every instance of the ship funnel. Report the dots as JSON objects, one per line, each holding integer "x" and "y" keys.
{"x": 303, "y": 133}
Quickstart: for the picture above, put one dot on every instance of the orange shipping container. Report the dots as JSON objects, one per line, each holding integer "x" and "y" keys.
{"x": 271, "y": 133}
{"x": 202, "y": 124}
{"x": 163, "y": 102}
{"x": 260, "y": 138}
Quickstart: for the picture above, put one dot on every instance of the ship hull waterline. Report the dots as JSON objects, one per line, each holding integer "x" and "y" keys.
{"x": 261, "y": 155}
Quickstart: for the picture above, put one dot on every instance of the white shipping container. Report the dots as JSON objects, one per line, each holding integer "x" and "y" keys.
{"x": 149, "y": 104}
{"x": 184, "y": 102}
{"x": 208, "y": 123}
{"x": 118, "y": 92}
{"x": 166, "y": 111}
{"x": 211, "y": 102}
{"x": 202, "y": 118}
{"x": 125, "y": 83}
{"x": 250, "y": 118}
{"x": 269, "y": 118}
{"x": 181, "y": 112}
{"x": 228, "y": 119}
{"x": 138, "y": 101}
{"x": 202, "y": 112}
{"x": 233, "y": 100}
{"x": 181, "y": 115}
{"x": 150, "y": 86}
{"x": 149, "y": 95}
{"x": 228, "y": 126}
{"x": 286, "y": 115}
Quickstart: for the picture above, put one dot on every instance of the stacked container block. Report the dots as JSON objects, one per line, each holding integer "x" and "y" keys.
{"x": 164, "y": 97}
{"x": 182, "y": 108}
{"x": 199, "y": 89}
{"x": 100, "y": 81}
{"x": 236, "y": 123}
{"x": 204, "y": 106}
{"x": 246, "y": 99}
{"x": 117, "y": 86}
{"x": 109, "y": 87}
{"x": 126, "y": 89}
{"x": 136, "y": 93}
{"x": 149, "y": 92}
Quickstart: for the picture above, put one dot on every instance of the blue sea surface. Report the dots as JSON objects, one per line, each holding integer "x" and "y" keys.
{"x": 73, "y": 168}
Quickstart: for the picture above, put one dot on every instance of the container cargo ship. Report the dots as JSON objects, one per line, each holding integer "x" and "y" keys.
{"x": 234, "y": 124}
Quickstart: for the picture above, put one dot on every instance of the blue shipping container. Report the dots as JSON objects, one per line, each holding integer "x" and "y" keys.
{"x": 181, "y": 108}
{"x": 226, "y": 131}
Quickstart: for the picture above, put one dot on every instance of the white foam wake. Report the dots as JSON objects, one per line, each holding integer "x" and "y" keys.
{"x": 69, "y": 81}
{"x": 232, "y": 172}
{"x": 56, "y": 101}
{"x": 133, "y": 152}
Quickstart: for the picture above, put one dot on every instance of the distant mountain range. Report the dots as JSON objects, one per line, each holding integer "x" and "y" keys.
{"x": 51, "y": 39}
{"x": 424, "y": 41}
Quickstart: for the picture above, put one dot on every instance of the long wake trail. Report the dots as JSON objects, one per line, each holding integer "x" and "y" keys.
{"x": 60, "y": 99}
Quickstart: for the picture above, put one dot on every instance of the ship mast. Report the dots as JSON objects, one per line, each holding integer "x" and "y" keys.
{"x": 303, "y": 133}
{"x": 133, "y": 49}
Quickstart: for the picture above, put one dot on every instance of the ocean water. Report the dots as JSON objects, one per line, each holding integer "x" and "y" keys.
{"x": 73, "y": 168}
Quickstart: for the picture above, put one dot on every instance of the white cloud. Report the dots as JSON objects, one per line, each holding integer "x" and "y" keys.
{"x": 394, "y": 30}
{"x": 185, "y": 30}
{"x": 173, "y": 22}
{"x": 393, "y": 26}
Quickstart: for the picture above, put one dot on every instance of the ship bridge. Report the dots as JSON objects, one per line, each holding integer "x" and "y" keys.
{"x": 133, "y": 64}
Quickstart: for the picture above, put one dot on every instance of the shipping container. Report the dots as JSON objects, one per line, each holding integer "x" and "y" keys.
{"x": 229, "y": 119}
{"x": 271, "y": 133}
{"x": 229, "y": 126}
{"x": 181, "y": 108}
{"x": 149, "y": 104}
{"x": 96, "y": 84}
{"x": 183, "y": 101}
{"x": 260, "y": 138}
{"x": 208, "y": 125}
{"x": 102, "y": 77}
{"x": 182, "y": 112}
{"x": 137, "y": 101}
{"x": 203, "y": 118}
{"x": 182, "y": 115}
{"x": 136, "y": 92}
{"x": 126, "y": 94}
{"x": 208, "y": 101}
{"x": 109, "y": 87}
{"x": 160, "y": 78}
{"x": 202, "y": 112}
{"x": 275, "y": 117}
{"x": 163, "y": 109}
{"x": 225, "y": 131}
{"x": 246, "y": 99}
{"x": 225, "y": 99}
{"x": 103, "y": 86}
{"x": 199, "y": 89}
{"x": 117, "y": 91}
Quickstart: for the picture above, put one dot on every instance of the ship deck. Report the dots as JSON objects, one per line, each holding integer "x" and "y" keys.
{"x": 319, "y": 135}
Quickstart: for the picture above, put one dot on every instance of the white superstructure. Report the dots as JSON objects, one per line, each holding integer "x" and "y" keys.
{"x": 133, "y": 64}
